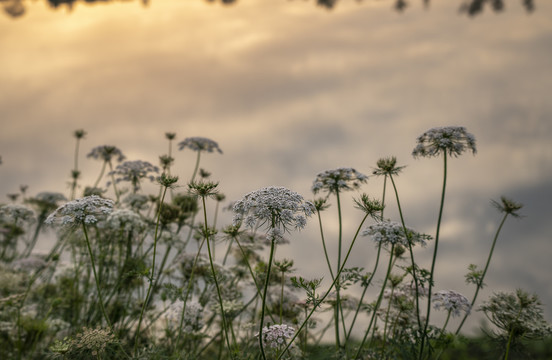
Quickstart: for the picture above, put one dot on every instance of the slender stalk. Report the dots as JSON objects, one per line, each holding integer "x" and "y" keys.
{"x": 101, "y": 174}
{"x": 378, "y": 302}
{"x": 411, "y": 252}
{"x": 337, "y": 285}
{"x": 480, "y": 283}
{"x": 321, "y": 300}
{"x": 196, "y": 166}
{"x": 95, "y": 276}
{"x": 146, "y": 300}
{"x": 223, "y": 315}
{"x": 424, "y": 333}
{"x": 270, "y": 257}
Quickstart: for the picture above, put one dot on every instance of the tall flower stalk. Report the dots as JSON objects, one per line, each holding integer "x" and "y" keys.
{"x": 508, "y": 207}
{"x": 199, "y": 144}
{"x": 166, "y": 182}
{"x": 452, "y": 141}
{"x": 75, "y": 173}
{"x": 277, "y": 209}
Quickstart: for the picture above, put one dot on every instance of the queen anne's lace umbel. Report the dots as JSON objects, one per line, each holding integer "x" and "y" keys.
{"x": 199, "y": 144}
{"x": 275, "y": 336}
{"x": 451, "y": 301}
{"x": 277, "y": 208}
{"x": 391, "y": 232}
{"x": 84, "y": 210}
{"x": 453, "y": 140}
{"x": 340, "y": 179}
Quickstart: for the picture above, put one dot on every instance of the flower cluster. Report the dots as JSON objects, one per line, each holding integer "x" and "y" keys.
{"x": 16, "y": 212}
{"x": 276, "y": 335}
{"x": 451, "y": 301}
{"x": 453, "y": 140}
{"x": 340, "y": 179}
{"x": 106, "y": 153}
{"x": 507, "y": 206}
{"x": 84, "y": 210}
{"x": 276, "y": 207}
{"x": 133, "y": 171}
{"x": 193, "y": 316}
{"x": 519, "y": 312}
{"x": 199, "y": 144}
{"x": 387, "y": 166}
{"x": 391, "y": 232}
{"x": 127, "y": 220}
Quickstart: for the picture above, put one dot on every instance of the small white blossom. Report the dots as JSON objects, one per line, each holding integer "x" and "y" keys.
{"x": 453, "y": 140}
{"x": 276, "y": 335}
{"x": 275, "y": 207}
{"x": 199, "y": 144}
{"x": 84, "y": 210}
{"x": 340, "y": 179}
{"x": 391, "y": 232}
{"x": 193, "y": 316}
{"x": 451, "y": 301}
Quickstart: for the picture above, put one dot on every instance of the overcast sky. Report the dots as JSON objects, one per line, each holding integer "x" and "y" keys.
{"x": 289, "y": 89}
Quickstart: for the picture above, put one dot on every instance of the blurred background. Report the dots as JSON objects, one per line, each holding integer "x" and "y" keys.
{"x": 292, "y": 88}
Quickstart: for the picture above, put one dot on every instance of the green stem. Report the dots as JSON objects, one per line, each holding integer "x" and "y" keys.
{"x": 95, "y": 276}
{"x": 338, "y": 285}
{"x": 272, "y": 244}
{"x": 146, "y": 300}
{"x": 480, "y": 282}
{"x": 411, "y": 252}
{"x": 101, "y": 174}
{"x": 378, "y": 302}
{"x": 196, "y": 166}
{"x": 424, "y": 333}
{"x": 223, "y": 315}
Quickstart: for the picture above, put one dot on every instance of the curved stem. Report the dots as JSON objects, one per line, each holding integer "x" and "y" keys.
{"x": 101, "y": 174}
{"x": 196, "y": 166}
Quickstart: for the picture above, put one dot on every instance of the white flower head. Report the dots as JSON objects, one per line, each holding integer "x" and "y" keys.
{"x": 16, "y": 212}
{"x": 134, "y": 171}
{"x": 127, "y": 220}
{"x": 199, "y": 144}
{"x": 340, "y": 179}
{"x": 192, "y": 319}
{"x": 106, "y": 153}
{"x": 451, "y": 301}
{"x": 275, "y": 336}
{"x": 277, "y": 208}
{"x": 391, "y": 232}
{"x": 453, "y": 140}
{"x": 84, "y": 210}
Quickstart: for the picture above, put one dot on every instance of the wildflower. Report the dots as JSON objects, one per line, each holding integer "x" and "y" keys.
{"x": 371, "y": 207}
{"x": 276, "y": 335}
{"x": 166, "y": 161}
{"x": 519, "y": 313}
{"x": 84, "y": 210}
{"x": 106, "y": 153}
{"x": 126, "y": 220}
{"x": 338, "y": 180}
{"x": 276, "y": 207}
{"x": 46, "y": 201}
{"x": 170, "y": 135}
{"x": 451, "y": 301}
{"x": 136, "y": 201}
{"x": 453, "y": 140}
{"x": 167, "y": 181}
{"x": 193, "y": 316}
{"x": 387, "y": 166}
{"x": 133, "y": 171}
{"x": 93, "y": 340}
{"x": 391, "y": 232}
{"x": 203, "y": 189}
{"x": 199, "y": 144}
{"x": 507, "y": 206}
{"x": 16, "y": 212}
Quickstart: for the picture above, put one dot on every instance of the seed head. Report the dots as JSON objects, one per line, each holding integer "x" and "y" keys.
{"x": 106, "y": 153}
{"x": 387, "y": 166}
{"x": 507, "y": 206}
